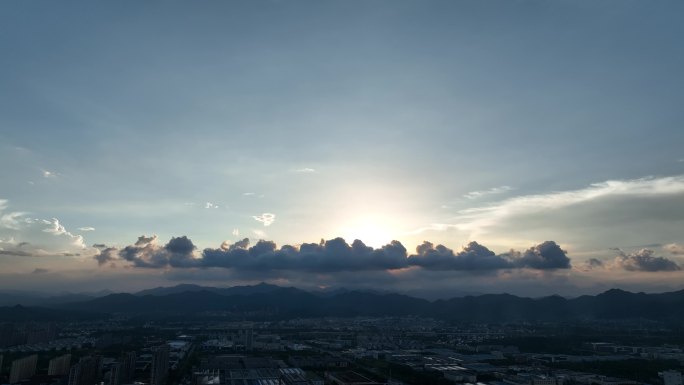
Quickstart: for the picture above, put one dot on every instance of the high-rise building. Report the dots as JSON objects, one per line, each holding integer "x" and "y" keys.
{"x": 115, "y": 374}
{"x": 127, "y": 368}
{"x": 86, "y": 371}
{"x": 671, "y": 377}
{"x": 23, "y": 369}
{"x": 160, "y": 365}
{"x": 59, "y": 366}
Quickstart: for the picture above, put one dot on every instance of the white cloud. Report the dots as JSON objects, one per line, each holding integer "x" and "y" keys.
{"x": 305, "y": 170}
{"x": 476, "y": 219}
{"x": 236, "y": 232}
{"x": 259, "y": 233}
{"x": 674, "y": 248}
{"x": 87, "y": 228}
{"x": 26, "y": 236}
{"x": 10, "y": 220}
{"x": 266, "y": 218}
{"x": 491, "y": 191}
{"x": 210, "y": 205}
{"x": 49, "y": 174}
{"x": 248, "y": 194}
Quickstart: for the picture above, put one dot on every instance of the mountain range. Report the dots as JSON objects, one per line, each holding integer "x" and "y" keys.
{"x": 265, "y": 301}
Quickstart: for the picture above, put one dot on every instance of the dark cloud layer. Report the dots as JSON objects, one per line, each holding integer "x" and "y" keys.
{"x": 644, "y": 260}
{"x": 473, "y": 257}
{"x": 327, "y": 256}
{"x": 545, "y": 256}
{"x": 179, "y": 252}
{"x": 334, "y": 255}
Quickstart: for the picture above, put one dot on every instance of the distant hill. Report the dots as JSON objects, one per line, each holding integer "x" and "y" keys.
{"x": 273, "y": 301}
{"x": 160, "y": 291}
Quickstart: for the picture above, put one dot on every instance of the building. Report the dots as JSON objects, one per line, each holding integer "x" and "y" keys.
{"x": 160, "y": 365}
{"x": 114, "y": 377}
{"x": 128, "y": 368}
{"x": 59, "y": 366}
{"x": 671, "y": 377}
{"x": 349, "y": 378}
{"x": 296, "y": 376}
{"x": 86, "y": 371}
{"x": 23, "y": 368}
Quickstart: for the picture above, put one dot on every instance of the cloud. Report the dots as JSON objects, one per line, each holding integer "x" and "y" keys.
{"x": 86, "y": 228}
{"x": 476, "y": 220}
{"x": 49, "y": 174}
{"x": 674, "y": 248}
{"x": 266, "y": 218}
{"x": 10, "y": 220}
{"x": 106, "y": 255}
{"x": 210, "y": 205}
{"x": 57, "y": 229}
{"x": 473, "y": 257}
{"x": 644, "y": 260}
{"x": 305, "y": 170}
{"x": 248, "y": 194}
{"x": 331, "y": 256}
{"x": 236, "y": 232}
{"x": 146, "y": 253}
{"x": 39, "y": 270}
{"x": 17, "y": 253}
{"x": 591, "y": 264}
{"x": 545, "y": 256}
{"x": 21, "y": 235}
{"x": 491, "y": 191}
{"x": 327, "y": 256}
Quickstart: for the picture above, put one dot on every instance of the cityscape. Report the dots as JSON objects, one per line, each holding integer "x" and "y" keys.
{"x": 227, "y": 345}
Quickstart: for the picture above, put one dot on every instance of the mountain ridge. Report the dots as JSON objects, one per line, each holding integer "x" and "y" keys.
{"x": 271, "y": 301}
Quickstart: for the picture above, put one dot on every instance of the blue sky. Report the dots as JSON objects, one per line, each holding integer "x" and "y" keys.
{"x": 509, "y": 123}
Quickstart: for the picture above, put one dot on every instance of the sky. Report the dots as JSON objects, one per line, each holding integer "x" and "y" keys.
{"x": 530, "y": 147}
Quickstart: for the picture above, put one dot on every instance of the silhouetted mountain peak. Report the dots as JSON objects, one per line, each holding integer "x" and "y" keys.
{"x": 289, "y": 302}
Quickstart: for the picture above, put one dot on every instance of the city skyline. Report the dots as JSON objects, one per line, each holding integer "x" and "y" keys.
{"x": 523, "y": 147}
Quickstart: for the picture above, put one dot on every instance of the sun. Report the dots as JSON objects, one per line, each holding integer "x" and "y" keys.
{"x": 373, "y": 231}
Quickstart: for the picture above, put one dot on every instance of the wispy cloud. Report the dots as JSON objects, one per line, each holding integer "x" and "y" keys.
{"x": 491, "y": 191}
{"x": 248, "y": 194}
{"x": 21, "y": 235}
{"x": 674, "y": 248}
{"x": 210, "y": 205}
{"x": 236, "y": 232}
{"x": 305, "y": 170}
{"x": 87, "y": 228}
{"x": 477, "y": 219}
{"x": 266, "y": 218}
{"x": 49, "y": 174}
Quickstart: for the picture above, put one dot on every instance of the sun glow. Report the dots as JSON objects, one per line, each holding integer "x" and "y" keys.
{"x": 373, "y": 231}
